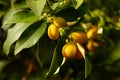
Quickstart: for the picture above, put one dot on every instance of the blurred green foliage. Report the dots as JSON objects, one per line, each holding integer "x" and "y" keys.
{"x": 43, "y": 54}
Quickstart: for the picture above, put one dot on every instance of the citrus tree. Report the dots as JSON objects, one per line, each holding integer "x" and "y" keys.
{"x": 59, "y": 40}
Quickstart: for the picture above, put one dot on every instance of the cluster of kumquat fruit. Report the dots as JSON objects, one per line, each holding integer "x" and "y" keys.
{"x": 70, "y": 50}
{"x": 92, "y": 35}
{"x": 53, "y": 29}
{"x": 79, "y": 37}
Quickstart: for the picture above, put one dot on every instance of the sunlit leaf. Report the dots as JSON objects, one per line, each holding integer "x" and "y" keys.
{"x": 13, "y": 34}
{"x": 81, "y": 49}
{"x": 101, "y": 22}
{"x": 36, "y": 6}
{"x": 22, "y": 16}
{"x": 54, "y": 6}
{"x": 57, "y": 58}
{"x": 31, "y": 36}
{"x": 88, "y": 66}
{"x": 8, "y": 15}
{"x": 118, "y": 25}
{"x": 79, "y": 2}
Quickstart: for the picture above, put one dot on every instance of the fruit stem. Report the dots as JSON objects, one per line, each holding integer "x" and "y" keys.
{"x": 29, "y": 70}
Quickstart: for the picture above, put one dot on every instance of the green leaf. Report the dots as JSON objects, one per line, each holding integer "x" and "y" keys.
{"x": 81, "y": 49}
{"x": 31, "y": 36}
{"x": 115, "y": 53}
{"x": 101, "y": 22}
{"x": 2, "y": 13}
{"x": 8, "y": 15}
{"x": 3, "y": 64}
{"x": 36, "y": 6}
{"x": 76, "y": 28}
{"x": 20, "y": 4}
{"x": 88, "y": 67}
{"x": 22, "y": 16}
{"x": 69, "y": 14}
{"x": 84, "y": 8}
{"x": 46, "y": 52}
{"x": 57, "y": 58}
{"x": 13, "y": 34}
{"x": 118, "y": 25}
{"x": 79, "y": 2}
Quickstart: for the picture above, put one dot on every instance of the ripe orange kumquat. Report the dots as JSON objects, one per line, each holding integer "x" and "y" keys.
{"x": 79, "y": 37}
{"x": 53, "y": 32}
{"x": 92, "y": 45}
{"x": 59, "y": 22}
{"x": 92, "y": 33}
{"x": 69, "y": 50}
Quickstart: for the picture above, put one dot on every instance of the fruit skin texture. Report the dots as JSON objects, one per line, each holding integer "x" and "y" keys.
{"x": 79, "y": 36}
{"x": 92, "y": 33}
{"x": 69, "y": 50}
{"x": 53, "y": 32}
{"x": 59, "y": 22}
